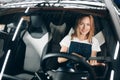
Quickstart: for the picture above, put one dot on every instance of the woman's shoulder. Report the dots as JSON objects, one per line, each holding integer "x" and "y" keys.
{"x": 66, "y": 41}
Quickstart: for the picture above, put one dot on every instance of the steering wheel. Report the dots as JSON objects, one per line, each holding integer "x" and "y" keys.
{"x": 77, "y": 59}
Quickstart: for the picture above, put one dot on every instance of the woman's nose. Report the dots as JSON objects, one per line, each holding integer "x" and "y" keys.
{"x": 84, "y": 26}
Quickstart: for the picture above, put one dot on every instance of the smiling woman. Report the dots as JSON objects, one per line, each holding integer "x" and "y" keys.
{"x": 81, "y": 42}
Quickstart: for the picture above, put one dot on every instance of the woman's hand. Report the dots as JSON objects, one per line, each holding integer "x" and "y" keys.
{"x": 64, "y": 50}
{"x": 95, "y": 63}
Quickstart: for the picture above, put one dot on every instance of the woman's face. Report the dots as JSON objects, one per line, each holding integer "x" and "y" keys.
{"x": 84, "y": 26}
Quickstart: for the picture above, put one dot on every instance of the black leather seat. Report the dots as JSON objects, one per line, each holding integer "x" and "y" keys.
{"x": 36, "y": 39}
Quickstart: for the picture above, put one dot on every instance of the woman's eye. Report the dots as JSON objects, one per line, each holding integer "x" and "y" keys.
{"x": 88, "y": 24}
{"x": 81, "y": 24}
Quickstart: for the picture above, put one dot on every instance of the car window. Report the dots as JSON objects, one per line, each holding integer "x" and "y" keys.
{"x": 117, "y": 3}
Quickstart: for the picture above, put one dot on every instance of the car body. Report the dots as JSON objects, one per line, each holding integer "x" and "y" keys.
{"x": 30, "y": 30}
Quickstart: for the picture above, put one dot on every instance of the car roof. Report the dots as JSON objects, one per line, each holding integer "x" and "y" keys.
{"x": 63, "y": 3}
{"x": 7, "y": 1}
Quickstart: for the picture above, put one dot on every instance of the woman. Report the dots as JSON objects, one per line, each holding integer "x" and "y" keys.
{"x": 81, "y": 42}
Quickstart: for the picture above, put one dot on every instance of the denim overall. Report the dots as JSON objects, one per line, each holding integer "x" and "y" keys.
{"x": 82, "y": 49}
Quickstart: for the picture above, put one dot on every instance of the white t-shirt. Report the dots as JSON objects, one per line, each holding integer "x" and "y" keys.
{"x": 67, "y": 40}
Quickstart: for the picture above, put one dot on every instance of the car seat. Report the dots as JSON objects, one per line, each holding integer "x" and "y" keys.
{"x": 57, "y": 32}
{"x": 36, "y": 39}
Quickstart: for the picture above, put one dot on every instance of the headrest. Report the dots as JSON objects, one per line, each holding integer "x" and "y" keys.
{"x": 57, "y": 28}
{"x": 36, "y": 27}
{"x": 36, "y": 24}
{"x": 57, "y": 31}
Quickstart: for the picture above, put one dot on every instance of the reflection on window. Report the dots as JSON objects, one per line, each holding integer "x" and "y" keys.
{"x": 117, "y": 2}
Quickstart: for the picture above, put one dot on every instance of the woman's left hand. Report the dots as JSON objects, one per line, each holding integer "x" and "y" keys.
{"x": 95, "y": 63}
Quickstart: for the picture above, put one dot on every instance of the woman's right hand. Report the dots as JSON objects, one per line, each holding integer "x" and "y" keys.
{"x": 63, "y": 49}
{"x": 61, "y": 60}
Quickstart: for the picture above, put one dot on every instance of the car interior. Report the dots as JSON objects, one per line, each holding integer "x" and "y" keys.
{"x": 41, "y": 34}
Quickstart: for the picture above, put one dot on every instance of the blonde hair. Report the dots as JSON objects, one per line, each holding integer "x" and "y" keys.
{"x": 90, "y": 34}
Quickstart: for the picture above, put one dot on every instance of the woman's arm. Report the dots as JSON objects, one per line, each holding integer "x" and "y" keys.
{"x": 95, "y": 49}
{"x": 93, "y": 54}
{"x": 63, "y": 49}
{"x": 94, "y": 62}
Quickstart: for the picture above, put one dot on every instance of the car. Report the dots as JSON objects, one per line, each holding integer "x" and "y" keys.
{"x": 30, "y": 32}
